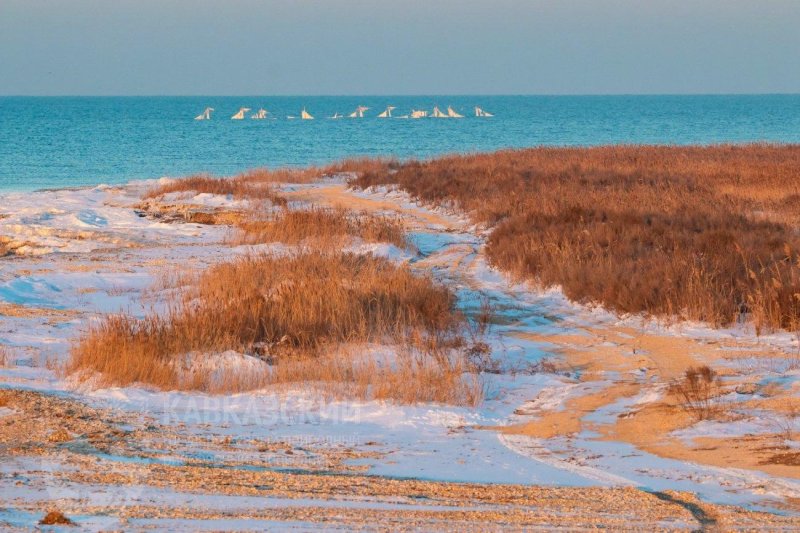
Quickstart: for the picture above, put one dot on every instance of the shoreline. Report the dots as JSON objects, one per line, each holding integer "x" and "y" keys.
{"x": 420, "y": 156}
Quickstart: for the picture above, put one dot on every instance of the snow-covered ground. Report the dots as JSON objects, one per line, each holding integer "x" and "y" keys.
{"x": 79, "y": 254}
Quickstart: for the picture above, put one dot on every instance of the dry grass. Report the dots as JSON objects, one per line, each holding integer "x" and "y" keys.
{"x": 412, "y": 376}
{"x": 705, "y": 233}
{"x": 311, "y": 174}
{"x": 308, "y": 316}
{"x": 238, "y": 187}
{"x": 697, "y": 390}
{"x": 361, "y": 166}
{"x": 218, "y": 217}
{"x": 56, "y": 518}
{"x": 786, "y": 420}
{"x": 330, "y": 227}
{"x": 255, "y": 184}
{"x": 293, "y": 312}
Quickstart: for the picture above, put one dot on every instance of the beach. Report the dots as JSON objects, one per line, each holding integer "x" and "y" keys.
{"x": 576, "y": 426}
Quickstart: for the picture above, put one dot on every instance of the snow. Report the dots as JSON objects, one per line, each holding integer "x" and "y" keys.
{"x": 84, "y": 220}
{"x": 219, "y": 365}
{"x": 727, "y": 429}
{"x": 426, "y": 442}
{"x": 387, "y": 251}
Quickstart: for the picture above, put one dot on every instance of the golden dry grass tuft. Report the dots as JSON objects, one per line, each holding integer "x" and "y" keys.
{"x": 326, "y": 226}
{"x": 353, "y": 166}
{"x": 703, "y": 233}
{"x": 293, "y": 312}
{"x": 360, "y": 166}
{"x": 255, "y": 184}
{"x": 56, "y": 518}
{"x": 238, "y": 187}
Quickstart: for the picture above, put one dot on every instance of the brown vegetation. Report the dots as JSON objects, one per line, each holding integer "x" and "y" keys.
{"x": 294, "y": 312}
{"x": 238, "y": 187}
{"x": 255, "y": 184}
{"x": 410, "y": 377}
{"x": 309, "y": 316}
{"x": 56, "y": 518}
{"x": 705, "y": 233}
{"x": 697, "y": 390}
{"x": 321, "y": 225}
{"x": 313, "y": 173}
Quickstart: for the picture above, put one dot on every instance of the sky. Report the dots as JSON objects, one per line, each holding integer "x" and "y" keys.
{"x": 362, "y": 47}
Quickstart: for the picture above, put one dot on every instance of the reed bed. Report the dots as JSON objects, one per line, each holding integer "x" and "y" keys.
{"x": 293, "y": 313}
{"x": 329, "y": 227}
{"x": 702, "y": 233}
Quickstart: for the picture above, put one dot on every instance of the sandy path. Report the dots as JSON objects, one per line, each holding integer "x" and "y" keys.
{"x": 638, "y": 357}
{"x": 648, "y": 426}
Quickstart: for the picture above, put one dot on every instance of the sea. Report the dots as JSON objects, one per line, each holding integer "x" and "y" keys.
{"x": 56, "y": 142}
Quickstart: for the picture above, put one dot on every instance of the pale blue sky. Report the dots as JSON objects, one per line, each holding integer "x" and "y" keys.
{"x": 248, "y": 47}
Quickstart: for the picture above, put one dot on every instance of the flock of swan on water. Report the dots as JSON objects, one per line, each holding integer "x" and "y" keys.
{"x": 263, "y": 114}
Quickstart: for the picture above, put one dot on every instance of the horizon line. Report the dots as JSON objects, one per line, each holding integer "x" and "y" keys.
{"x": 401, "y": 95}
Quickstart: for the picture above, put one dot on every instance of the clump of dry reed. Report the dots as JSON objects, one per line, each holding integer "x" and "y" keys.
{"x": 6, "y": 356}
{"x": 697, "y": 391}
{"x": 291, "y": 312}
{"x": 238, "y": 187}
{"x": 310, "y": 174}
{"x": 359, "y": 166}
{"x": 56, "y": 518}
{"x": 326, "y": 226}
{"x": 705, "y": 233}
{"x": 255, "y": 184}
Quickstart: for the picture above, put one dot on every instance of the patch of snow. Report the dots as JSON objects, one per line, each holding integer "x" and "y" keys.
{"x": 723, "y": 429}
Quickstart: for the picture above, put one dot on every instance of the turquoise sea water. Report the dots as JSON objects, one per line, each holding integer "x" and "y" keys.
{"x": 72, "y": 141}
